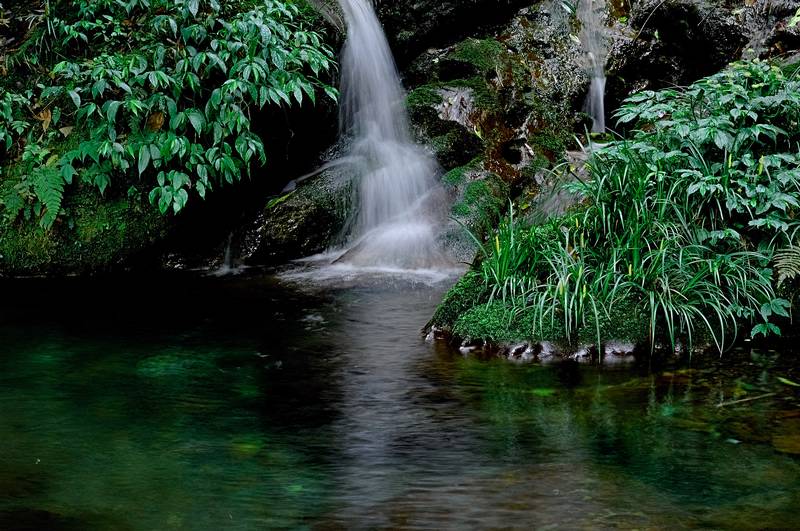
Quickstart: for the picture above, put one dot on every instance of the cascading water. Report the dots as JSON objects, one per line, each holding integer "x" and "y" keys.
{"x": 394, "y": 221}
{"x": 592, "y": 36}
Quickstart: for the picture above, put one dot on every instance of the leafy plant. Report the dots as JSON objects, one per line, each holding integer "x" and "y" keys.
{"x": 165, "y": 101}
{"x": 679, "y": 223}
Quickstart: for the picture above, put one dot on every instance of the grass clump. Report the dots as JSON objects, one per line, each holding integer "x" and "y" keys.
{"x": 679, "y": 224}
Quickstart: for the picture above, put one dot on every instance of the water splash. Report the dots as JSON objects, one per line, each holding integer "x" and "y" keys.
{"x": 395, "y": 217}
{"x": 592, "y": 36}
{"x": 228, "y": 267}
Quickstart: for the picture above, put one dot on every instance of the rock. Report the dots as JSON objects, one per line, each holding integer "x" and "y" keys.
{"x": 301, "y": 223}
{"x": 415, "y": 26}
{"x": 659, "y": 44}
{"x": 787, "y": 437}
{"x": 98, "y": 235}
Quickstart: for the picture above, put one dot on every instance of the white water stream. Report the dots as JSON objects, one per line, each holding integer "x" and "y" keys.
{"x": 592, "y": 36}
{"x": 397, "y": 201}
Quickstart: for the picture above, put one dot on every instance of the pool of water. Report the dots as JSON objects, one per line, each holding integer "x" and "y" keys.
{"x": 186, "y": 402}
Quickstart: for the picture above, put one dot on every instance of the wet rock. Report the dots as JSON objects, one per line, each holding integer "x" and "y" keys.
{"x": 660, "y": 44}
{"x": 302, "y": 222}
{"x": 415, "y": 26}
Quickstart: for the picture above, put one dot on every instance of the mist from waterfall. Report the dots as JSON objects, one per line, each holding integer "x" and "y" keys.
{"x": 397, "y": 197}
{"x": 592, "y": 37}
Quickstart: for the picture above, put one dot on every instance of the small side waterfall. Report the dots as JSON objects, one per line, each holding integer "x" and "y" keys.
{"x": 394, "y": 221}
{"x": 592, "y": 36}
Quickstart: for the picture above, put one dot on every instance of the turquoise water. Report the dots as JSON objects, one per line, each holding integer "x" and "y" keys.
{"x": 243, "y": 403}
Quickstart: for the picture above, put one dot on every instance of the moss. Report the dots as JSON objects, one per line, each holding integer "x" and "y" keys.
{"x": 549, "y": 143}
{"x": 456, "y": 146}
{"x": 98, "y": 233}
{"x": 425, "y": 96}
{"x": 482, "y": 203}
{"x": 527, "y": 327}
{"x": 461, "y": 209}
{"x": 468, "y": 292}
{"x": 456, "y": 176}
{"x": 484, "y": 97}
{"x": 486, "y": 322}
{"x": 625, "y": 321}
{"x": 497, "y": 322}
{"x": 485, "y": 55}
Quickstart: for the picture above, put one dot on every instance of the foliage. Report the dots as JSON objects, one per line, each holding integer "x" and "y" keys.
{"x": 795, "y": 19}
{"x": 468, "y": 292}
{"x": 159, "y": 93}
{"x": 679, "y": 223}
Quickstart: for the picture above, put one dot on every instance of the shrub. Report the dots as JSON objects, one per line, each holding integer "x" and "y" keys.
{"x": 160, "y": 94}
{"x": 678, "y": 224}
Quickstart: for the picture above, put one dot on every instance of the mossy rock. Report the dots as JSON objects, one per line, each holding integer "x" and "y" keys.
{"x": 425, "y": 96}
{"x": 486, "y": 55}
{"x": 482, "y": 199}
{"x": 492, "y": 322}
{"x": 96, "y": 234}
{"x": 301, "y": 223}
{"x": 625, "y": 321}
{"x": 455, "y": 147}
{"x": 469, "y": 291}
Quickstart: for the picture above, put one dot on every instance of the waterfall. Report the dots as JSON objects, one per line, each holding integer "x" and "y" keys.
{"x": 227, "y": 267}
{"x": 394, "y": 220}
{"x": 592, "y": 37}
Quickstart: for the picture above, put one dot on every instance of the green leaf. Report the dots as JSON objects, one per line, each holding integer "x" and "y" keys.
{"x": 101, "y": 181}
{"x": 197, "y": 120}
{"x": 99, "y": 87}
{"x": 788, "y": 382}
{"x": 76, "y": 98}
{"x": 112, "y": 107}
{"x": 67, "y": 173}
{"x": 144, "y": 158}
{"x": 48, "y": 185}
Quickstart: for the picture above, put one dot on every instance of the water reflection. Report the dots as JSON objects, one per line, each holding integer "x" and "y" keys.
{"x": 257, "y": 405}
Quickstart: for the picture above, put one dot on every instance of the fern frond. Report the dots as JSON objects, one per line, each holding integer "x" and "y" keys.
{"x": 787, "y": 263}
{"x": 48, "y": 185}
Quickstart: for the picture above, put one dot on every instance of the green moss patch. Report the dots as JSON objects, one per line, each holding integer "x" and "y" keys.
{"x": 484, "y": 54}
{"x": 468, "y": 292}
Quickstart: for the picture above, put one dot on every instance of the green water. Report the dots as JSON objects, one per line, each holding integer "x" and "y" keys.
{"x": 195, "y": 403}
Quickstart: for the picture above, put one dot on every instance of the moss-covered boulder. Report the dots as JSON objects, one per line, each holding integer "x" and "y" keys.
{"x": 495, "y": 94}
{"x": 97, "y": 234}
